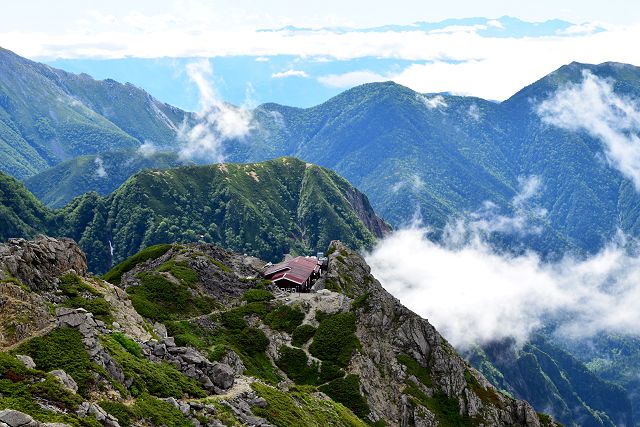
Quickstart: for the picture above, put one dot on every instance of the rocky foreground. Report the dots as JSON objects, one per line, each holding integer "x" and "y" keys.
{"x": 183, "y": 335}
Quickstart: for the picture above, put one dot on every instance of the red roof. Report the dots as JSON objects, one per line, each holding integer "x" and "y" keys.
{"x": 297, "y": 270}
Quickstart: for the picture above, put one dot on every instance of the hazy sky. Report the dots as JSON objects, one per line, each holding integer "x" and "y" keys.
{"x": 56, "y": 16}
{"x": 488, "y": 58}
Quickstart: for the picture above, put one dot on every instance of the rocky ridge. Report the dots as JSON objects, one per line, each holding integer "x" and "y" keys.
{"x": 243, "y": 354}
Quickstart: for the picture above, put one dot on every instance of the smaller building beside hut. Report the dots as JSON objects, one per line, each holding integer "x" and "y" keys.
{"x": 297, "y": 274}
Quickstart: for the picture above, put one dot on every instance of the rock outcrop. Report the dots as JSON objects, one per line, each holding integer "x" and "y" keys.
{"x": 387, "y": 332}
{"x": 22, "y": 314}
{"x": 398, "y": 369}
{"x": 214, "y": 377}
{"x": 38, "y": 263}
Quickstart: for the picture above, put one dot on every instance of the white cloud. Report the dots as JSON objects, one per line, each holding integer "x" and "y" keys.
{"x": 495, "y": 23}
{"x": 473, "y": 294}
{"x": 524, "y": 219}
{"x": 415, "y": 183}
{"x": 289, "y": 73}
{"x": 432, "y": 103}
{"x": 351, "y": 79}
{"x": 217, "y": 121}
{"x": 460, "y": 61}
{"x": 593, "y": 106}
{"x": 147, "y": 149}
{"x": 474, "y": 112}
{"x": 100, "y": 170}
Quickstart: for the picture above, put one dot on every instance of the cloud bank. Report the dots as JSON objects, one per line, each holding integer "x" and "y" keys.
{"x": 216, "y": 122}
{"x": 475, "y": 294}
{"x": 592, "y": 106}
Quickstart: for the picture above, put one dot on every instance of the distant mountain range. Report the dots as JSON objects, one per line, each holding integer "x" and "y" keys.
{"x": 437, "y": 156}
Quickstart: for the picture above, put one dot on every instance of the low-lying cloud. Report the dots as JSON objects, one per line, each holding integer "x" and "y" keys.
{"x": 433, "y": 102}
{"x": 592, "y": 106}
{"x": 101, "y": 172}
{"x": 475, "y": 294}
{"x": 524, "y": 216}
{"x": 216, "y": 122}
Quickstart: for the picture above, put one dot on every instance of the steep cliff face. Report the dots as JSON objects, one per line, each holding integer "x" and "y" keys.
{"x": 409, "y": 373}
{"x": 190, "y": 335}
{"x": 38, "y": 263}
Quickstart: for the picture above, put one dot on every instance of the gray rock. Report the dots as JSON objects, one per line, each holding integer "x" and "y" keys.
{"x": 222, "y": 376}
{"x": 160, "y": 330}
{"x": 173, "y": 401}
{"x": 65, "y": 379}
{"x": 26, "y": 360}
{"x": 233, "y": 360}
{"x": 160, "y": 350}
{"x": 17, "y": 419}
{"x": 184, "y": 408}
{"x": 193, "y": 357}
{"x": 38, "y": 263}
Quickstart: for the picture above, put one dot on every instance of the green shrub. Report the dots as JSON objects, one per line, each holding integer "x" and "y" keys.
{"x": 284, "y": 318}
{"x": 335, "y": 339}
{"x": 415, "y": 369}
{"x": 98, "y": 306}
{"x": 445, "y": 408}
{"x": 234, "y": 319}
{"x": 181, "y": 271}
{"x": 62, "y": 349}
{"x": 361, "y": 302}
{"x": 298, "y": 407}
{"x": 158, "y": 379}
{"x": 72, "y": 285}
{"x": 258, "y": 365}
{"x": 217, "y": 352}
{"x": 187, "y": 333}
{"x": 152, "y": 252}
{"x": 128, "y": 344}
{"x": 23, "y": 389}
{"x": 329, "y": 372}
{"x": 252, "y": 340}
{"x": 347, "y": 391}
{"x": 256, "y": 295}
{"x": 122, "y": 412}
{"x": 159, "y": 412}
{"x": 221, "y": 266}
{"x": 302, "y": 334}
{"x": 159, "y": 299}
{"x": 294, "y": 362}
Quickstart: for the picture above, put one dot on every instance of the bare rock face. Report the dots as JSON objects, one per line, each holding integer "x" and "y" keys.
{"x": 390, "y": 333}
{"x": 365, "y": 212}
{"x": 214, "y": 377}
{"x": 38, "y": 263}
{"x": 22, "y": 314}
{"x": 66, "y": 380}
{"x": 17, "y": 419}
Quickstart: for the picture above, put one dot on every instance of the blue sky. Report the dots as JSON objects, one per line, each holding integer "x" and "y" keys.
{"x": 302, "y": 53}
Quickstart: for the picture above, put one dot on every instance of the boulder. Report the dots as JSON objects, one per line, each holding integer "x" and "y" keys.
{"x": 26, "y": 360}
{"x": 222, "y": 376}
{"x": 38, "y": 263}
{"x": 66, "y": 380}
{"x": 17, "y": 419}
